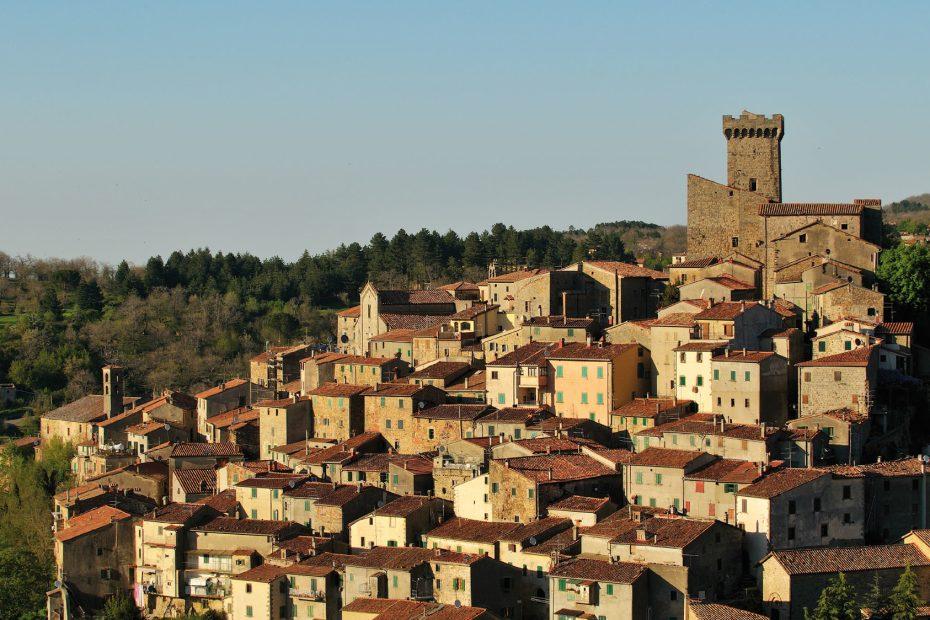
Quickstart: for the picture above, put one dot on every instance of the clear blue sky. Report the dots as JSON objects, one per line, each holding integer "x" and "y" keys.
{"x": 134, "y": 128}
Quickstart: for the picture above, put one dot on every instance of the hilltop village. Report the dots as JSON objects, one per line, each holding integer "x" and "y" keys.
{"x": 600, "y": 441}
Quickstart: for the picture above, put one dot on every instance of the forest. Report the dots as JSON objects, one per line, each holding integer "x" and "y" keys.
{"x": 192, "y": 319}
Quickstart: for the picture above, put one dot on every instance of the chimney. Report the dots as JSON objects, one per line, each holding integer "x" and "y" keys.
{"x": 550, "y": 473}
{"x": 561, "y": 342}
{"x": 112, "y": 390}
{"x": 587, "y": 340}
{"x": 641, "y": 535}
{"x": 763, "y": 430}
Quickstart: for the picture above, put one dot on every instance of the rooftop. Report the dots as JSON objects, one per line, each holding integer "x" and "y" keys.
{"x": 90, "y": 521}
{"x": 855, "y": 357}
{"x": 599, "y": 570}
{"x": 440, "y": 370}
{"x": 338, "y": 390}
{"x": 472, "y": 530}
{"x": 221, "y": 449}
{"x": 454, "y": 411}
{"x": 782, "y": 481}
{"x": 579, "y": 503}
{"x": 545, "y": 468}
{"x": 196, "y": 481}
{"x": 219, "y": 389}
{"x": 85, "y": 409}
{"x": 581, "y": 351}
{"x": 817, "y": 560}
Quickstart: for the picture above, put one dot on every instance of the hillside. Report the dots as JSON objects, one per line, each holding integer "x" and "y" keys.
{"x": 194, "y": 318}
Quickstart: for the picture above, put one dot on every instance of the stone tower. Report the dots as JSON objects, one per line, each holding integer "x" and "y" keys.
{"x": 754, "y": 153}
{"x": 112, "y": 390}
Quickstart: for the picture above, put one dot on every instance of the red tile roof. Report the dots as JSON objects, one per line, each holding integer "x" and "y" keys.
{"x": 558, "y": 321}
{"x": 545, "y": 468}
{"x": 665, "y": 531}
{"x": 801, "y": 208}
{"x": 599, "y": 570}
{"x": 781, "y": 481}
{"x": 727, "y": 470}
{"x": 338, "y": 389}
{"x": 628, "y": 270}
{"x": 219, "y": 389}
{"x": 221, "y": 449}
{"x": 410, "y": 321}
{"x": 440, "y": 370}
{"x": 403, "y": 506}
{"x": 454, "y": 411}
{"x": 855, "y": 357}
{"x": 725, "y": 310}
{"x": 675, "y": 319}
{"x": 471, "y": 530}
{"x": 261, "y": 527}
{"x": 581, "y": 351}
{"x": 86, "y": 409}
{"x": 196, "y": 481}
{"x": 239, "y": 414}
{"x": 718, "y": 611}
{"x": 649, "y": 407}
{"x": 90, "y": 521}
{"x": 819, "y": 560}
{"x": 395, "y": 389}
{"x": 516, "y": 276}
{"x": 394, "y": 335}
{"x": 579, "y": 503}
{"x": 665, "y": 457}
{"x": 897, "y": 328}
{"x": 703, "y": 346}
{"x": 416, "y": 297}
{"x": 532, "y": 353}
{"x": 695, "y": 263}
{"x": 743, "y": 357}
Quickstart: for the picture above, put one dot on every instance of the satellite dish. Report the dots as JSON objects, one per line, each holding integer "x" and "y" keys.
{"x": 458, "y": 603}
{"x": 57, "y": 583}
{"x": 421, "y": 404}
{"x": 441, "y": 449}
{"x": 167, "y": 426}
{"x": 532, "y": 541}
{"x": 292, "y": 483}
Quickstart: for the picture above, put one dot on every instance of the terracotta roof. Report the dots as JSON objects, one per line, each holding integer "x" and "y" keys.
{"x": 342, "y": 495}
{"x": 472, "y": 311}
{"x": 649, "y": 407}
{"x": 727, "y": 470}
{"x": 476, "y": 382}
{"x": 545, "y": 468}
{"x": 725, "y": 310}
{"x": 802, "y": 208}
{"x": 396, "y": 609}
{"x": 555, "y": 423}
{"x": 665, "y": 457}
{"x": 846, "y": 414}
{"x": 665, "y": 531}
{"x": 599, "y": 570}
{"x": 219, "y": 389}
{"x": 179, "y": 512}
{"x": 222, "y": 502}
{"x": 273, "y": 480}
{"x": 515, "y": 415}
{"x": 338, "y": 390}
{"x": 381, "y": 462}
{"x": 206, "y": 449}
{"x": 906, "y": 467}
{"x": 410, "y": 321}
{"x": 350, "y": 313}
{"x": 579, "y": 503}
{"x": 394, "y": 335}
{"x": 545, "y": 445}
{"x": 717, "y": 611}
{"x": 532, "y": 353}
{"x": 416, "y": 297}
{"x": 263, "y": 573}
{"x": 454, "y": 411}
{"x": 581, "y": 351}
{"x": 266, "y": 465}
{"x": 440, "y": 370}
{"x": 472, "y": 530}
{"x": 145, "y": 427}
{"x": 406, "y": 558}
{"x": 897, "y": 328}
{"x": 86, "y": 409}
{"x": 534, "y": 531}
{"x": 675, "y": 319}
{"x": 628, "y": 270}
{"x": 239, "y": 414}
{"x": 558, "y": 321}
{"x": 343, "y": 451}
{"x": 624, "y": 520}
{"x": 703, "y": 346}
{"x": 854, "y": 357}
{"x": 461, "y": 285}
{"x": 781, "y": 481}
{"x": 395, "y": 389}
{"x": 313, "y": 490}
{"x": 695, "y": 263}
{"x": 322, "y": 358}
{"x": 90, "y": 521}
{"x": 818, "y": 560}
{"x": 403, "y": 506}
{"x": 725, "y": 281}
{"x": 829, "y": 286}
{"x": 26, "y": 442}
{"x": 262, "y": 527}
{"x": 516, "y": 276}
{"x": 196, "y": 481}
{"x": 740, "y": 356}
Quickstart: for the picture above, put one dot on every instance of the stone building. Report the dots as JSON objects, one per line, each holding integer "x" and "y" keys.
{"x": 750, "y": 387}
{"x": 282, "y": 422}
{"x": 390, "y": 407}
{"x": 338, "y": 410}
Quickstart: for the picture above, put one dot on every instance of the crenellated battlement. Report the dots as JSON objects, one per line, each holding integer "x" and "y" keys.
{"x": 749, "y": 125}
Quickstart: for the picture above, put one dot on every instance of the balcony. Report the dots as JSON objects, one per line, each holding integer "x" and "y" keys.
{"x": 307, "y": 595}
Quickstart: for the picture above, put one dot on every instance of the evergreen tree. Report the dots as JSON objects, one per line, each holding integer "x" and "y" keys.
{"x": 120, "y": 607}
{"x": 904, "y": 599}
{"x": 154, "y": 273}
{"x": 837, "y": 602}
{"x": 89, "y": 297}
{"x": 876, "y": 601}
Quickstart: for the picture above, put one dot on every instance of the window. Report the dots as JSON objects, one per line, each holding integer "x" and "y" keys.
{"x": 681, "y": 381}
{"x": 493, "y": 487}
{"x": 584, "y": 372}
{"x": 558, "y": 397}
{"x": 844, "y": 226}
{"x": 584, "y": 398}
{"x": 431, "y": 433}
{"x": 639, "y": 477}
{"x": 821, "y": 347}
{"x": 824, "y": 529}
{"x": 790, "y": 533}
{"x": 254, "y": 492}
{"x": 600, "y": 398}
{"x": 792, "y": 507}
{"x": 387, "y": 424}
{"x": 600, "y": 372}
{"x": 561, "y": 585}
{"x": 729, "y": 487}
{"x": 248, "y": 587}
{"x": 847, "y": 518}
{"x": 500, "y": 398}
{"x": 847, "y": 491}
{"x": 802, "y": 238}
{"x": 752, "y": 188}
{"x": 847, "y": 345}
{"x": 716, "y": 374}
{"x": 816, "y": 504}
{"x": 747, "y": 375}
{"x": 732, "y": 375}
{"x": 700, "y": 380}
{"x": 400, "y": 424}
{"x": 699, "y": 486}
{"x": 558, "y": 371}
{"x": 610, "y": 589}
{"x": 658, "y": 478}
{"x": 746, "y": 402}
{"x": 837, "y": 375}
{"x": 734, "y": 242}
{"x": 513, "y": 491}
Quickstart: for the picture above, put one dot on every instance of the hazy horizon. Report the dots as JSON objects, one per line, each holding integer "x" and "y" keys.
{"x": 131, "y": 130}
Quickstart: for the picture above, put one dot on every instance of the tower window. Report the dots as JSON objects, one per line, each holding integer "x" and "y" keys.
{"x": 734, "y": 242}
{"x": 752, "y": 185}
{"x": 802, "y": 238}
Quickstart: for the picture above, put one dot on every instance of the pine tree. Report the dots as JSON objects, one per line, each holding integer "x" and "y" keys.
{"x": 904, "y": 599}
{"x": 837, "y": 602}
{"x": 876, "y": 601}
